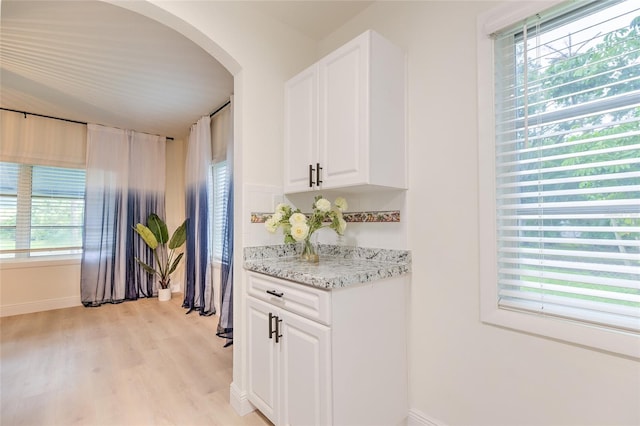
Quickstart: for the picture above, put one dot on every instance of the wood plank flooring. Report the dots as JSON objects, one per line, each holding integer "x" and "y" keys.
{"x": 136, "y": 363}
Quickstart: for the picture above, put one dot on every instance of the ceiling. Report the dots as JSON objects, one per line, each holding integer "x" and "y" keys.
{"x": 315, "y": 19}
{"x": 94, "y": 62}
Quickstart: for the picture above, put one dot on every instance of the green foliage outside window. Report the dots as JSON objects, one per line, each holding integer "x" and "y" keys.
{"x": 582, "y": 145}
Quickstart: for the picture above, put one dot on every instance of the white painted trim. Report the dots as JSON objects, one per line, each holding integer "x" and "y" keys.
{"x": 239, "y": 400}
{"x": 593, "y": 337}
{"x": 39, "y": 306}
{"x": 418, "y": 418}
{"x": 509, "y": 13}
{"x": 40, "y": 262}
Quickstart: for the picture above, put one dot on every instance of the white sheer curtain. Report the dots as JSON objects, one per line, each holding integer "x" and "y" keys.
{"x": 198, "y": 292}
{"x": 125, "y": 183}
{"x": 222, "y": 136}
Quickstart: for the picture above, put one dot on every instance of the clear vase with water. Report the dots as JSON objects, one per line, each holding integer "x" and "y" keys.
{"x": 309, "y": 251}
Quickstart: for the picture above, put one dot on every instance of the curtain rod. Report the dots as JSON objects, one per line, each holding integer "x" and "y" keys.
{"x": 220, "y": 109}
{"x": 54, "y": 118}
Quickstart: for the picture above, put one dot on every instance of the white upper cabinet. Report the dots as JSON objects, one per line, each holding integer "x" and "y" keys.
{"x": 301, "y": 125}
{"x": 345, "y": 119}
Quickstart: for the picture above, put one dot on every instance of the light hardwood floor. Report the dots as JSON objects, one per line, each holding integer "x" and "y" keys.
{"x": 136, "y": 363}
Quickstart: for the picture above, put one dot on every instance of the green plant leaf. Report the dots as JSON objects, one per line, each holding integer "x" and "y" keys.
{"x": 146, "y": 267}
{"x": 147, "y": 235}
{"x": 179, "y": 236}
{"x": 175, "y": 263}
{"x": 158, "y": 227}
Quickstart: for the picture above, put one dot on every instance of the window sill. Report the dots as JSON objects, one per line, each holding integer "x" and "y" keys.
{"x": 42, "y": 262}
{"x": 593, "y": 337}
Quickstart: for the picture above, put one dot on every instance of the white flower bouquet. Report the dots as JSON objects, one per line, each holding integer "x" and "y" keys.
{"x": 297, "y": 227}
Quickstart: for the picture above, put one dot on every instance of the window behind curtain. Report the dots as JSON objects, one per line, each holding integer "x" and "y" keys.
{"x": 41, "y": 210}
{"x": 568, "y": 165}
{"x": 218, "y": 199}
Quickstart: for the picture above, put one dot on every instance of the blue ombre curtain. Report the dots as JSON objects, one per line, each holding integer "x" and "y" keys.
{"x": 198, "y": 292}
{"x": 222, "y": 130}
{"x": 147, "y": 168}
{"x": 125, "y": 183}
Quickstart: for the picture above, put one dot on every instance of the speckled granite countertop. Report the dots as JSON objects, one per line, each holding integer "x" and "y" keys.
{"x": 339, "y": 266}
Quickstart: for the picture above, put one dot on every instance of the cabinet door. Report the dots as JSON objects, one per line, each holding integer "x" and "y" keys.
{"x": 263, "y": 359}
{"x": 343, "y": 100}
{"x": 305, "y": 372}
{"x": 301, "y": 130}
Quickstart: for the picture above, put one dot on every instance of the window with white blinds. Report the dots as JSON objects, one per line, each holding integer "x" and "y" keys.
{"x": 41, "y": 210}
{"x": 567, "y": 165}
{"x": 218, "y": 199}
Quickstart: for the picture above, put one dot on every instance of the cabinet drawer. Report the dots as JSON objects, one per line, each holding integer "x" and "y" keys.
{"x": 310, "y": 302}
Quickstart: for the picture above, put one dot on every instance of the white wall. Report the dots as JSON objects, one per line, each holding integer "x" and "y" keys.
{"x": 463, "y": 372}
{"x": 38, "y": 285}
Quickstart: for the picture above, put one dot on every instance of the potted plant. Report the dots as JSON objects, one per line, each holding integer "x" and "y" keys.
{"x": 156, "y": 236}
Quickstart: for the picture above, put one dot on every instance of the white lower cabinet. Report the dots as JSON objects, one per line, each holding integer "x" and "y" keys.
{"x": 327, "y": 357}
{"x": 263, "y": 360}
{"x": 289, "y": 378}
{"x": 305, "y": 372}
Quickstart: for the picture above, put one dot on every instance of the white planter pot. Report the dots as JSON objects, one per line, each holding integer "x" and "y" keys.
{"x": 164, "y": 294}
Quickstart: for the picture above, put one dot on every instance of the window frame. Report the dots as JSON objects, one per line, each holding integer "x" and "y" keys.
{"x": 582, "y": 334}
{"x": 24, "y": 196}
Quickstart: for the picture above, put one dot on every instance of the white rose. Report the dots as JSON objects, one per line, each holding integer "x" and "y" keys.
{"x": 299, "y": 231}
{"x": 277, "y": 216}
{"x": 297, "y": 218}
{"x": 271, "y": 224}
{"x": 341, "y": 204}
{"x": 323, "y": 205}
{"x": 280, "y": 208}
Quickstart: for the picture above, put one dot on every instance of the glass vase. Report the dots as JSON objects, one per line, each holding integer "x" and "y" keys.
{"x": 310, "y": 250}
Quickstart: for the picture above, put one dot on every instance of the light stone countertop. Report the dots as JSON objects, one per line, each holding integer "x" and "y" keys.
{"x": 339, "y": 266}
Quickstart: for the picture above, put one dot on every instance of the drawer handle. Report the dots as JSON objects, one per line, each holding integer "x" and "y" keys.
{"x": 275, "y": 293}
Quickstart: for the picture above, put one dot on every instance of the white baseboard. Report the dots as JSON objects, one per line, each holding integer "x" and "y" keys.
{"x": 418, "y": 418}
{"x": 239, "y": 401}
{"x": 39, "y": 306}
{"x": 242, "y": 406}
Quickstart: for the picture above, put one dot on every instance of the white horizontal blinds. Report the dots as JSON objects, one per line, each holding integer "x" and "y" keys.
{"x": 41, "y": 209}
{"x": 57, "y": 208}
{"x": 220, "y": 185}
{"x": 9, "y": 175}
{"x": 568, "y": 165}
